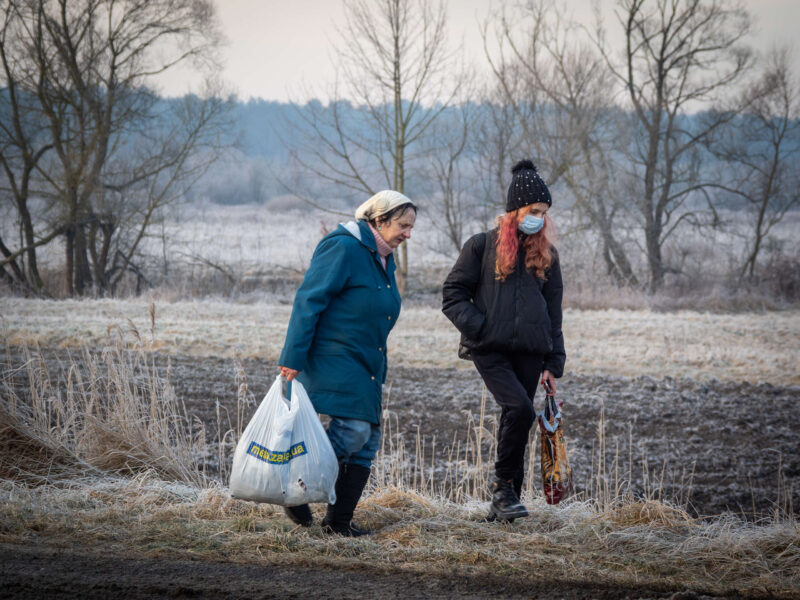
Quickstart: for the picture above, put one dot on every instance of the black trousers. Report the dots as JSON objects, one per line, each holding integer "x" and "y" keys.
{"x": 512, "y": 380}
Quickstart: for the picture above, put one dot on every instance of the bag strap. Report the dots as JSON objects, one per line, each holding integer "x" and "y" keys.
{"x": 482, "y": 243}
{"x": 551, "y": 410}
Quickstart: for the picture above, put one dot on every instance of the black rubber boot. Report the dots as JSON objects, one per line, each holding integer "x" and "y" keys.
{"x": 505, "y": 502}
{"x": 349, "y": 485}
{"x": 299, "y": 514}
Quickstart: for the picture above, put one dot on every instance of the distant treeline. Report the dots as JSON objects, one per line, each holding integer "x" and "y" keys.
{"x": 264, "y": 133}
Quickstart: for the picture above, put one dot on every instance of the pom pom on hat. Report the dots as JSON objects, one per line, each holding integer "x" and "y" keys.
{"x": 523, "y": 164}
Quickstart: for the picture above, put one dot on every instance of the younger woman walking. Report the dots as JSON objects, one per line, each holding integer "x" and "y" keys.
{"x": 504, "y": 296}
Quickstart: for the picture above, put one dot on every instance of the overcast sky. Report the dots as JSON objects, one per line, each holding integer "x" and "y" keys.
{"x": 282, "y": 49}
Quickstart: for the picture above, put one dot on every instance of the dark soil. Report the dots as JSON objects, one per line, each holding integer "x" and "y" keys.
{"x": 711, "y": 446}
{"x": 38, "y": 572}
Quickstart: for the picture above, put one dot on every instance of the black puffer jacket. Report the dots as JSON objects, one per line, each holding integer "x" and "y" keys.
{"x": 519, "y": 315}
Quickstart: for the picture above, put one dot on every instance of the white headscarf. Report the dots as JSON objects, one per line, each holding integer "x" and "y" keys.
{"x": 380, "y": 204}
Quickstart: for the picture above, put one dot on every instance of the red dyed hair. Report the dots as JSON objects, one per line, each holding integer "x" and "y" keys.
{"x": 538, "y": 247}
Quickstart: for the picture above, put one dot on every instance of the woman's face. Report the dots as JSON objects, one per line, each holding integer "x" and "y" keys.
{"x": 537, "y": 209}
{"x": 398, "y": 230}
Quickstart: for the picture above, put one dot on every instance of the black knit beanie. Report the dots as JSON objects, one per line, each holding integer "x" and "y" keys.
{"x": 526, "y": 187}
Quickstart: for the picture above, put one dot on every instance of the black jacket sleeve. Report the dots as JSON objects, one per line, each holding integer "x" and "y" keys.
{"x": 458, "y": 291}
{"x": 553, "y": 292}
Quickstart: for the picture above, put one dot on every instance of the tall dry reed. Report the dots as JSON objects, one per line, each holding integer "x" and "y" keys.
{"x": 111, "y": 411}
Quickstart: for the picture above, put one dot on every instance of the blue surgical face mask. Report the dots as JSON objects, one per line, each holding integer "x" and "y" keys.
{"x": 531, "y": 224}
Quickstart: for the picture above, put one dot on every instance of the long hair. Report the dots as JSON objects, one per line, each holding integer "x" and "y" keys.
{"x": 538, "y": 247}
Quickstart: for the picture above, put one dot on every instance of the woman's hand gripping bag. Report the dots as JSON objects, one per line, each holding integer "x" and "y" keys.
{"x": 284, "y": 456}
{"x": 556, "y": 472}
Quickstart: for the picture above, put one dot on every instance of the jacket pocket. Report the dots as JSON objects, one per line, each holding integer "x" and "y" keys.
{"x": 497, "y": 334}
{"x": 536, "y": 338}
{"x": 475, "y": 324}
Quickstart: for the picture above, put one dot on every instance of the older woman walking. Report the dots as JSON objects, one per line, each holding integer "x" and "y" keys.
{"x": 504, "y": 296}
{"x": 336, "y": 342}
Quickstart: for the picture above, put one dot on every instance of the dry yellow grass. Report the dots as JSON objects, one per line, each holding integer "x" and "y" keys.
{"x": 114, "y": 415}
{"x": 572, "y": 542}
{"x": 753, "y": 347}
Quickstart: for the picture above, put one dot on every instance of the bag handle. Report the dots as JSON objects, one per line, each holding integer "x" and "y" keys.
{"x": 286, "y": 391}
{"x": 551, "y": 410}
{"x": 286, "y": 388}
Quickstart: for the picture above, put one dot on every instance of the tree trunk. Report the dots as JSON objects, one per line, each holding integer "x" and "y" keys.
{"x": 655, "y": 262}
{"x": 621, "y": 262}
{"x": 399, "y": 159}
{"x": 69, "y": 268}
{"x": 611, "y": 268}
{"x": 108, "y": 231}
{"x": 652, "y": 231}
{"x": 749, "y": 267}
{"x": 83, "y": 272}
{"x": 617, "y": 264}
{"x": 750, "y": 264}
{"x": 399, "y": 184}
{"x": 34, "y": 278}
{"x": 19, "y": 276}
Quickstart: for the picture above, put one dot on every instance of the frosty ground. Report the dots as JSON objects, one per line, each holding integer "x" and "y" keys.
{"x": 695, "y": 410}
{"x": 714, "y": 446}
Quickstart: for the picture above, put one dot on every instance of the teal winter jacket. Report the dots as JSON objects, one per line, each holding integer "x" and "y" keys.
{"x": 342, "y": 314}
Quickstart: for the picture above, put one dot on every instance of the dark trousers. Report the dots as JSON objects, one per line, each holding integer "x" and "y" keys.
{"x": 512, "y": 380}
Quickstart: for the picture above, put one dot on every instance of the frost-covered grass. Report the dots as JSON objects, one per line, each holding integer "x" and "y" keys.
{"x": 108, "y": 458}
{"x": 246, "y": 251}
{"x": 760, "y": 347}
{"x": 639, "y": 544}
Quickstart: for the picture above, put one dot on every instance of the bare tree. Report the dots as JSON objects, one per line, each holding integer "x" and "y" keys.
{"x": 679, "y": 55}
{"x": 395, "y": 65}
{"x": 82, "y": 66}
{"x": 23, "y": 143}
{"x": 555, "y": 91}
{"x": 494, "y": 143}
{"x": 762, "y": 146}
{"x": 166, "y": 156}
{"x": 451, "y": 195}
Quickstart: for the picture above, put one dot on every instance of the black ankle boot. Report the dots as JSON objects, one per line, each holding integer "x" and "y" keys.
{"x": 516, "y": 483}
{"x": 505, "y": 502}
{"x": 349, "y": 485}
{"x": 299, "y": 514}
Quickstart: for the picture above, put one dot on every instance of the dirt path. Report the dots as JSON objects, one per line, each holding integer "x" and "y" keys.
{"x": 38, "y": 572}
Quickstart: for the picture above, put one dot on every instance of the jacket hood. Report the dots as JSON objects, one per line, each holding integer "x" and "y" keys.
{"x": 359, "y": 230}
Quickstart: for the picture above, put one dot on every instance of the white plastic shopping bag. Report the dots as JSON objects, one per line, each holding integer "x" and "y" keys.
{"x": 284, "y": 455}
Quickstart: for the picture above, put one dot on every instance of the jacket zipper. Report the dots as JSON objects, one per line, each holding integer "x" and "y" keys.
{"x": 517, "y": 285}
